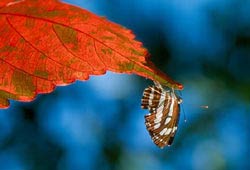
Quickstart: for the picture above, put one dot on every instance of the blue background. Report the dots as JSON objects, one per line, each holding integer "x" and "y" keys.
{"x": 98, "y": 124}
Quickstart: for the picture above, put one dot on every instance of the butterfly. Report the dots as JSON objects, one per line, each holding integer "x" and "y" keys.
{"x": 164, "y": 113}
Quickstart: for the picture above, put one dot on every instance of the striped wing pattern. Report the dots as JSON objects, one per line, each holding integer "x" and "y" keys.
{"x": 164, "y": 113}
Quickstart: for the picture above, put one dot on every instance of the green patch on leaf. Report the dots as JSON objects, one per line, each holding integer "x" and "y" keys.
{"x": 106, "y": 51}
{"x": 43, "y": 56}
{"x": 7, "y": 95}
{"x": 42, "y": 74}
{"x": 8, "y": 48}
{"x": 30, "y": 23}
{"x": 23, "y": 84}
{"x": 119, "y": 35}
{"x": 22, "y": 40}
{"x": 82, "y": 16}
{"x": 139, "y": 53}
{"x": 71, "y": 61}
{"x": 126, "y": 66}
{"x": 53, "y": 13}
{"x": 107, "y": 38}
{"x": 67, "y": 35}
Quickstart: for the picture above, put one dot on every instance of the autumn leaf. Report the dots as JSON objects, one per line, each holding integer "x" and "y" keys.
{"x": 48, "y": 43}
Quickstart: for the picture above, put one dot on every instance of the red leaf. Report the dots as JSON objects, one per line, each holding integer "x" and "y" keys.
{"x": 48, "y": 43}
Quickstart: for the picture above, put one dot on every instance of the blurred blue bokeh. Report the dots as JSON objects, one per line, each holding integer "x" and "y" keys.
{"x": 98, "y": 124}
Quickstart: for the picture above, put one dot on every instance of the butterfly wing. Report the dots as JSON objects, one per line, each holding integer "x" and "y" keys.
{"x": 151, "y": 98}
{"x": 164, "y": 114}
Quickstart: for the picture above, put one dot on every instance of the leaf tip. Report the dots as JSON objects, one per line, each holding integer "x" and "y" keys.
{"x": 179, "y": 86}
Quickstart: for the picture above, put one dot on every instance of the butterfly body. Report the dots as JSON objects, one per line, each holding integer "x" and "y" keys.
{"x": 164, "y": 112}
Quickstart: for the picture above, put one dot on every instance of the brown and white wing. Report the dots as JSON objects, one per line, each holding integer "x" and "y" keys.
{"x": 162, "y": 122}
{"x": 165, "y": 134}
{"x": 151, "y": 98}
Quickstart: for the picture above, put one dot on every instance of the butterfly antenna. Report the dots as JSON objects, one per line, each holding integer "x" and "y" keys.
{"x": 185, "y": 118}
